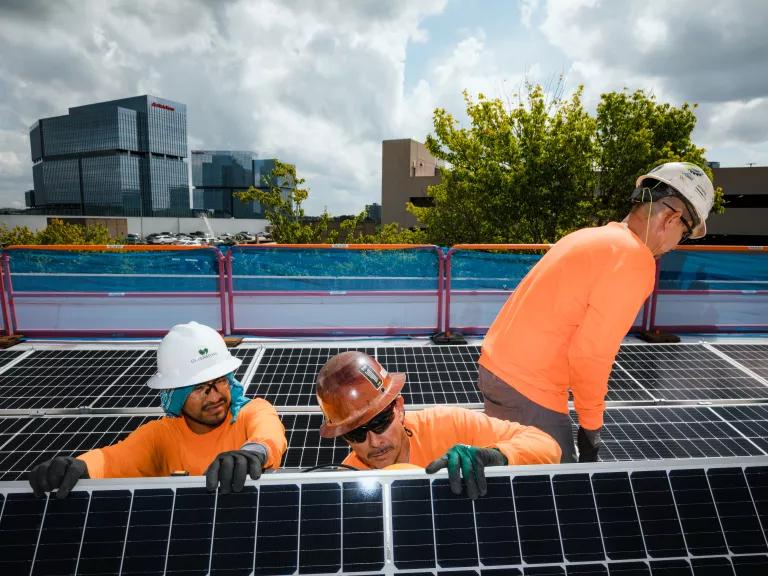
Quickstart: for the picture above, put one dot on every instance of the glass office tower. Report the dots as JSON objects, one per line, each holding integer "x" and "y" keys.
{"x": 218, "y": 174}
{"x": 119, "y": 158}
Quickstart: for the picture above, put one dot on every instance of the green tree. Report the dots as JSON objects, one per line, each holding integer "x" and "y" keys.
{"x": 282, "y": 206}
{"x": 635, "y": 133}
{"x": 16, "y": 235}
{"x": 290, "y": 225}
{"x": 523, "y": 174}
{"x": 537, "y": 170}
{"x": 60, "y": 232}
{"x": 57, "y": 232}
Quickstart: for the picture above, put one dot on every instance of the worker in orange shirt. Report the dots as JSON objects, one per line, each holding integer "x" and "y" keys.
{"x": 361, "y": 402}
{"x": 210, "y": 426}
{"x": 562, "y": 327}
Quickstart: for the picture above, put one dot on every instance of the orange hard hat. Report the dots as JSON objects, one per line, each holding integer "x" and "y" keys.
{"x": 352, "y": 388}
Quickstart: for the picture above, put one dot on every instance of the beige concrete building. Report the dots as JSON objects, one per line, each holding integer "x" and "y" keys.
{"x": 407, "y": 168}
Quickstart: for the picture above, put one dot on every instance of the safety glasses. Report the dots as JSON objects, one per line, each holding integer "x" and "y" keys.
{"x": 202, "y": 390}
{"x": 688, "y": 226}
{"x": 378, "y": 425}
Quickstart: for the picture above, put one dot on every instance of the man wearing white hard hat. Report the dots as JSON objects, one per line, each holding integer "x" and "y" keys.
{"x": 562, "y": 327}
{"x": 210, "y": 426}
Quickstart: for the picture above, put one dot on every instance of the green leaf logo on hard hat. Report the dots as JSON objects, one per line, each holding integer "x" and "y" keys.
{"x": 203, "y": 351}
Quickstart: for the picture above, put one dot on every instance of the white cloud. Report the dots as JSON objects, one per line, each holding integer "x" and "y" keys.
{"x": 684, "y": 50}
{"x": 316, "y": 84}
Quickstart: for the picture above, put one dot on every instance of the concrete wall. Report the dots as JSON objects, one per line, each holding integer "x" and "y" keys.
{"x": 407, "y": 168}
{"x": 741, "y": 182}
{"x": 144, "y": 226}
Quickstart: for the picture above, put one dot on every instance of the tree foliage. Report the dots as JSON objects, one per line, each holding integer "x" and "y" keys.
{"x": 57, "y": 232}
{"x": 535, "y": 171}
{"x": 282, "y": 206}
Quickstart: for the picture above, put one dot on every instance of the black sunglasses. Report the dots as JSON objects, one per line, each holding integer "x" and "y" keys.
{"x": 378, "y": 424}
{"x": 688, "y": 227}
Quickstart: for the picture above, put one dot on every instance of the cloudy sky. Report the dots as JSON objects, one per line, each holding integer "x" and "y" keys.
{"x": 320, "y": 83}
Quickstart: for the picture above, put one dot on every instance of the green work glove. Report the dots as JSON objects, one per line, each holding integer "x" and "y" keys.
{"x": 468, "y": 462}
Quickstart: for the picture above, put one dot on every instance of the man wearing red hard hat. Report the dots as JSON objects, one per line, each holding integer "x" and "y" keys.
{"x": 361, "y": 402}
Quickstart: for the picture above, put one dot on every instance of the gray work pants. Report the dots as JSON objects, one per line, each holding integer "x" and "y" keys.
{"x": 504, "y": 402}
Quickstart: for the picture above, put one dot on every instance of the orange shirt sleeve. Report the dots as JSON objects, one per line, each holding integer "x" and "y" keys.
{"x": 136, "y": 456}
{"x": 613, "y": 305}
{"x": 520, "y": 444}
{"x": 263, "y": 425}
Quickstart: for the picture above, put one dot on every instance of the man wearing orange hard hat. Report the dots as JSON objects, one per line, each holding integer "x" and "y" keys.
{"x": 361, "y": 402}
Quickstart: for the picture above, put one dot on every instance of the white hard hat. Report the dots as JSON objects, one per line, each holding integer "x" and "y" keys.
{"x": 191, "y": 354}
{"x": 692, "y": 184}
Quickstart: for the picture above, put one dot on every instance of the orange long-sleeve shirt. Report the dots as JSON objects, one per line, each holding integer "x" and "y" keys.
{"x": 436, "y": 430}
{"x": 166, "y": 445}
{"x": 564, "y": 323}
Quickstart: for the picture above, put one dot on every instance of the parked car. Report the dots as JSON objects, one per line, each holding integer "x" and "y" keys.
{"x": 244, "y": 236}
{"x": 162, "y": 239}
{"x": 132, "y": 239}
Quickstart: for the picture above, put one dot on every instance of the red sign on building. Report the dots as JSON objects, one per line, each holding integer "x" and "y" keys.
{"x": 163, "y": 106}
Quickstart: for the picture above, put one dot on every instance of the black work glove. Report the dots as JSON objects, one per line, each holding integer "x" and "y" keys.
{"x": 231, "y": 468}
{"x": 471, "y": 461}
{"x": 588, "y": 443}
{"x": 60, "y": 474}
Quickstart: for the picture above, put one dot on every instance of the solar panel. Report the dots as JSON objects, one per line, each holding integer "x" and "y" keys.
{"x": 436, "y": 375}
{"x": 616, "y": 520}
{"x": 751, "y": 421}
{"x": 286, "y": 376}
{"x": 670, "y": 432}
{"x": 7, "y": 356}
{"x": 130, "y": 389}
{"x": 36, "y": 440}
{"x": 306, "y": 448}
{"x": 62, "y": 378}
{"x": 752, "y": 356}
{"x": 688, "y": 372}
{"x": 623, "y": 388}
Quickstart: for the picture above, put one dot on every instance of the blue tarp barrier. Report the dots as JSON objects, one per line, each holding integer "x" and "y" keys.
{"x": 714, "y": 271}
{"x": 480, "y": 270}
{"x": 113, "y": 271}
{"x": 333, "y": 269}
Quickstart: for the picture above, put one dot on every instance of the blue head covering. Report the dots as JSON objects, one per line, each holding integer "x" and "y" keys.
{"x": 172, "y": 400}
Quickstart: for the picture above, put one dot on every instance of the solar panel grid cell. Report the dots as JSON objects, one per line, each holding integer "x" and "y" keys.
{"x": 670, "y": 432}
{"x": 62, "y": 378}
{"x": 7, "y": 356}
{"x": 751, "y": 421}
{"x": 45, "y": 438}
{"x": 286, "y": 376}
{"x": 688, "y": 372}
{"x": 436, "y": 375}
{"x": 752, "y": 356}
